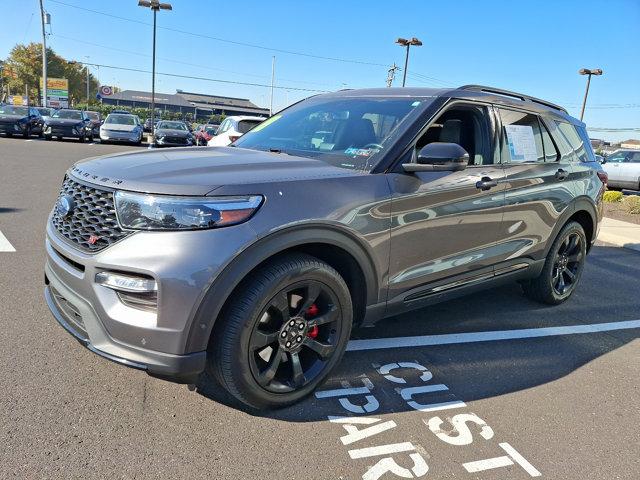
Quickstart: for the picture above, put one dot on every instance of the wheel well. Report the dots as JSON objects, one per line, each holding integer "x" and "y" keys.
{"x": 344, "y": 263}
{"x": 584, "y": 219}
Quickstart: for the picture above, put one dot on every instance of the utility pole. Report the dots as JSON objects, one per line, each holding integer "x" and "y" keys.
{"x": 407, "y": 43}
{"x": 87, "y": 67}
{"x": 392, "y": 74}
{"x": 589, "y": 72}
{"x": 273, "y": 76}
{"x": 44, "y": 57}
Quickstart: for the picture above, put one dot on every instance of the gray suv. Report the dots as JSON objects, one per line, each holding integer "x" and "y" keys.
{"x": 255, "y": 261}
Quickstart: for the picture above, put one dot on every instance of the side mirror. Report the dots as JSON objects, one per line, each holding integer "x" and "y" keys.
{"x": 439, "y": 157}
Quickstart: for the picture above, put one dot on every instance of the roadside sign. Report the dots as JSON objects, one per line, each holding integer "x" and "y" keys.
{"x": 57, "y": 92}
{"x": 17, "y": 100}
{"x": 106, "y": 90}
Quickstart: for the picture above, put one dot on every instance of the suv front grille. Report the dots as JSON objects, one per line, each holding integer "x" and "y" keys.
{"x": 92, "y": 224}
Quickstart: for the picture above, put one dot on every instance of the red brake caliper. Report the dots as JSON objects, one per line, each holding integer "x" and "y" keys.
{"x": 311, "y": 312}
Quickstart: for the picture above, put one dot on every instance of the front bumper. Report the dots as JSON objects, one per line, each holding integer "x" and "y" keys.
{"x": 184, "y": 265}
{"x": 77, "y": 317}
{"x": 117, "y": 136}
{"x": 11, "y": 128}
{"x": 63, "y": 131}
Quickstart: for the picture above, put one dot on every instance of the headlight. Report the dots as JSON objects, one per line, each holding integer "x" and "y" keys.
{"x": 159, "y": 212}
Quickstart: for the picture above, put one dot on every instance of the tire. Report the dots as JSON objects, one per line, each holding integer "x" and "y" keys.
{"x": 562, "y": 268}
{"x": 27, "y": 132}
{"x": 236, "y": 361}
{"x": 47, "y": 137}
{"x": 81, "y": 138}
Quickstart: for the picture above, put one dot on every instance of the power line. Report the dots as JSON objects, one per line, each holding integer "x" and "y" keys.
{"x": 224, "y": 40}
{"x": 216, "y": 80}
{"x": 180, "y": 62}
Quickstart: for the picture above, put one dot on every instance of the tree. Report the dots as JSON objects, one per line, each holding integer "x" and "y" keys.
{"x": 23, "y": 67}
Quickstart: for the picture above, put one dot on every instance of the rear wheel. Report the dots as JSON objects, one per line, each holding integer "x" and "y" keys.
{"x": 562, "y": 269}
{"x": 284, "y": 333}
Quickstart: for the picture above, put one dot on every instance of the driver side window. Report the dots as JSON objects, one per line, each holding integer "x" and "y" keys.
{"x": 465, "y": 125}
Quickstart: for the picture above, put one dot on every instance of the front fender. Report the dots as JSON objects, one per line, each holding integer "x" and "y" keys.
{"x": 267, "y": 247}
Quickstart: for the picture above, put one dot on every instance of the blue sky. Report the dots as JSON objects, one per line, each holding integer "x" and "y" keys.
{"x": 536, "y": 47}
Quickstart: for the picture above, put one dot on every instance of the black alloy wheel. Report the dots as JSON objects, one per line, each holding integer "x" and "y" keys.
{"x": 562, "y": 269}
{"x": 296, "y": 335}
{"x": 286, "y": 328}
{"x": 567, "y": 262}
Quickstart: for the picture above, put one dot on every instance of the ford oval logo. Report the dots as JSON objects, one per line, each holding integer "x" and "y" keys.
{"x": 65, "y": 206}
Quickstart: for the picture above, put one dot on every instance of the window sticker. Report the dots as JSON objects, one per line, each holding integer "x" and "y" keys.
{"x": 266, "y": 123}
{"x": 522, "y": 144}
{"x": 360, "y": 152}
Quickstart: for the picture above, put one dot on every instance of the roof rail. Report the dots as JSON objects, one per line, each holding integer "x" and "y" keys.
{"x": 509, "y": 93}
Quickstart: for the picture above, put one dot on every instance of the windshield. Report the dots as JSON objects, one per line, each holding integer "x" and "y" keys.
{"x": 171, "y": 126}
{"x": 13, "y": 110}
{"x": 71, "y": 114}
{"x": 121, "y": 119}
{"x": 44, "y": 111}
{"x": 345, "y": 132}
{"x": 211, "y": 130}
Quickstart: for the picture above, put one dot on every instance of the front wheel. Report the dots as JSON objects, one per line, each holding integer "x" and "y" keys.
{"x": 562, "y": 268}
{"x": 284, "y": 332}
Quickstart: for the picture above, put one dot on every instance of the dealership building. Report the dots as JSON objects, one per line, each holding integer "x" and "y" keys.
{"x": 199, "y": 104}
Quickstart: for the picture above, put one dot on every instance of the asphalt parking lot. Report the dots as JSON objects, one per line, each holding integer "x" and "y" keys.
{"x": 491, "y": 386}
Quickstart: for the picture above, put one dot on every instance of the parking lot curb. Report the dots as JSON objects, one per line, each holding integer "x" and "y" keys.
{"x": 621, "y": 234}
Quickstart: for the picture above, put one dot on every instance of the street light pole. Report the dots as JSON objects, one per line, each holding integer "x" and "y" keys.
{"x": 44, "y": 57}
{"x": 155, "y": 6}
{"x": 407, "y": 43}
{"x": 588, "y": 72}
{"x": 273, "y": 76}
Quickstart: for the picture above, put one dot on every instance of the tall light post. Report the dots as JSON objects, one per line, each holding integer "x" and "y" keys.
{"x": 44, "y": 56}
{"x": 403, "y": 42}
{"x": 155, "y": 6}
{"x": 588, "y": 72}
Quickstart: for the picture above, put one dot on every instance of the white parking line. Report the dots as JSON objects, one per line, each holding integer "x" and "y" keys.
{"x": 5, "y": 245}
{"x": 447, "y": 339}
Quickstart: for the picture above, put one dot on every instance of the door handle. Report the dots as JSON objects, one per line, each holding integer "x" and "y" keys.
{"x": 561, "y": 174}
{"x": 486, "y": 183}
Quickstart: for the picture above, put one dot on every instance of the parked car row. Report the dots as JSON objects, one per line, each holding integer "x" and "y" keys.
{"x": 118, "y": 126}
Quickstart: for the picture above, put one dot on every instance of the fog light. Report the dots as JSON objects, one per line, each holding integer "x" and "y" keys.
{"x": 135, "y": 292}
{"x": 126, "y": 283}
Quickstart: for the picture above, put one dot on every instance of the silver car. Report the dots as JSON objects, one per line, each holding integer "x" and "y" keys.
{"x": 120, "y": 127}
{"x": 623, "y": 168}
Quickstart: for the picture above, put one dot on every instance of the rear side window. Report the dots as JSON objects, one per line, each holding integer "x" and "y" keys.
{"x": 521, "y": 137}
{"x": 575, "y": 141}
{"x": 245, "y": 125}
{"x": 634, "y": 157}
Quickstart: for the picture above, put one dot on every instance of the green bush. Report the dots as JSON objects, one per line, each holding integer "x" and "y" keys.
{"x": 632, "y": 204}
{"x": 612, "y": 196}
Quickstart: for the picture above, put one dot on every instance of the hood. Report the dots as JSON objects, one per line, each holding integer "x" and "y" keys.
{"x": 63, "y": 121}
{"x": 198, "y": 171}
{"x": 116, "y": 127}
{"x": 172, "y": 133}
{"x": 10, "y": 118}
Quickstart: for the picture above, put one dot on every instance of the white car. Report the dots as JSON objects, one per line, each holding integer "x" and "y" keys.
{"x": 232, "y": 128}
{"x": 121, "y": 127}
{"x": 623, "y": 168}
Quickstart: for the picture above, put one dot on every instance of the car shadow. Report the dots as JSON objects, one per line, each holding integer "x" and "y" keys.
{"x": 609, "y": 292}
